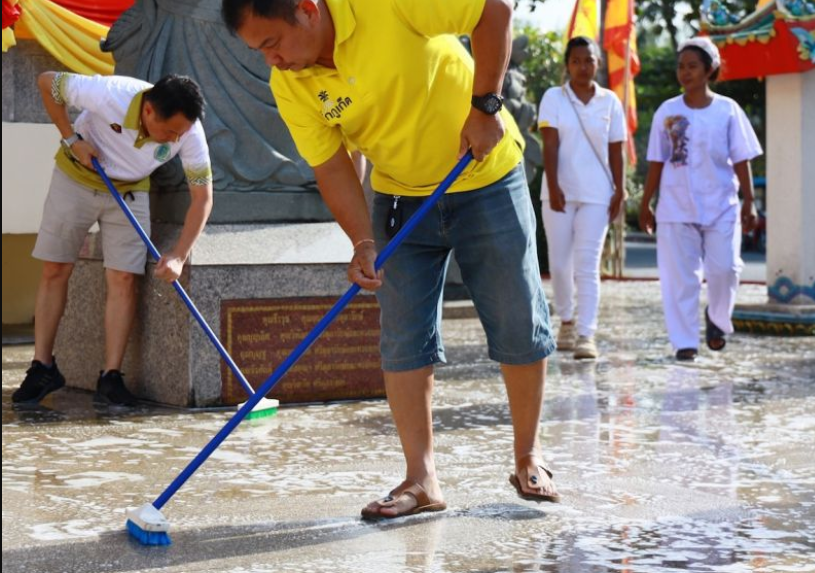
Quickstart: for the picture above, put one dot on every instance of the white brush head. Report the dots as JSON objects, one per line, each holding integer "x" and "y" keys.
{"x": 149, "y": 518}
{"x": 264, "y": 404}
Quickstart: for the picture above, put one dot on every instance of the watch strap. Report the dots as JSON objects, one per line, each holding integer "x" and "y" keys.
{"x": 70, "y": 140}
{"x": 490, "y": 103}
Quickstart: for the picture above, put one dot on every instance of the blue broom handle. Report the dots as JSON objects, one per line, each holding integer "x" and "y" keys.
{"x": 179, "y": 289}
{"x": 295, "y": 355}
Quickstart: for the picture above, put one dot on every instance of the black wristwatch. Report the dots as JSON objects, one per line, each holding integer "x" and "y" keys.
{"x": 488, "y": 103}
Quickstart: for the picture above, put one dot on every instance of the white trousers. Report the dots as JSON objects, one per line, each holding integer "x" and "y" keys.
{"x": 575, "y": 244}
{"x": 687, "y": 253}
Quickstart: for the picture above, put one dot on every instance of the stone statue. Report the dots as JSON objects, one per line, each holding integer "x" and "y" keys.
{"x": 524, "y": 112}
{"x": 250, "y": 146}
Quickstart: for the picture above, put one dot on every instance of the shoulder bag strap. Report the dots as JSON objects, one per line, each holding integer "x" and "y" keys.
{"x": 586, "y": 134}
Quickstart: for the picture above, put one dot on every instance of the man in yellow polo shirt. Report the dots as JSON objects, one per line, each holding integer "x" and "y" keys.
{"x": 390, "y": 79}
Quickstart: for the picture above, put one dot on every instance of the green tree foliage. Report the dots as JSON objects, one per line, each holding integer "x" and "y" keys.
{"x": 544, "y": 67}
{"x": 661, "y": 16}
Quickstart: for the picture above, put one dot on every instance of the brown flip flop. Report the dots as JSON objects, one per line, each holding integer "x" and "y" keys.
{"x": 534, "y": 481}
{"x": 406, "y": 488}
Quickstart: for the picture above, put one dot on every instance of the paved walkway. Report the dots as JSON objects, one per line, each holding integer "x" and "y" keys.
{"x": 662, "y": 467}
{"x": 641, "y": 260}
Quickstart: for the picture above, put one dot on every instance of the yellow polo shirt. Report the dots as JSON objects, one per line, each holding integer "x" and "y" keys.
{"x": 400, "y": 94}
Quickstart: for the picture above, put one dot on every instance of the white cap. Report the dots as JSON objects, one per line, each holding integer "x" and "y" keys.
{"x": 706, "y": 44}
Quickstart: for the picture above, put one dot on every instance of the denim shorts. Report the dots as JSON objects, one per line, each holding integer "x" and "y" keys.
{"x": 492, "y": 230}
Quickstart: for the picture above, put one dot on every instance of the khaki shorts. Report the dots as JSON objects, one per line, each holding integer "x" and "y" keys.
{"x": 71, "y": 210}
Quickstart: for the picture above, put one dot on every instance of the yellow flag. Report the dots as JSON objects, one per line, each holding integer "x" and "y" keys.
{"x": 585, "y": 20}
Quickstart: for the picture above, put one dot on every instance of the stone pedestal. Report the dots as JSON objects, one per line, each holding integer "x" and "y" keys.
{"x": 775, "y": 319}
{"x": 790, "y": 211}
{"x": 170, "y": 360}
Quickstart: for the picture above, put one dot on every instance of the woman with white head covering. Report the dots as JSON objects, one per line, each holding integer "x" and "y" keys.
{"x": 699, "y": 156}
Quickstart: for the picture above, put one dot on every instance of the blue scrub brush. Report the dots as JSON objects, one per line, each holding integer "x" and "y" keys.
{"x": 148, "y": 525}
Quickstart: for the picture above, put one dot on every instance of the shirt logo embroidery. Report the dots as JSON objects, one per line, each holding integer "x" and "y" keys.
{"x": 677, "y": 128}
{"x": 162, "y": 152}
{"x": 333, "y": 109}
{"x": 116, "y": 127}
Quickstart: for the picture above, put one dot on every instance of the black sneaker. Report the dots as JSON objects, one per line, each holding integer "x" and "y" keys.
{"x": 40, "y": 380}
{"x": 110, "y": 389}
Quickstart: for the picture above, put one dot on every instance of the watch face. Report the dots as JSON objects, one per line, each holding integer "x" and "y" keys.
{"x": 492, "y": 104}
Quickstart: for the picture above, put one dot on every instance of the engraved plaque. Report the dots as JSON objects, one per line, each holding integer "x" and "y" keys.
{"x": 342, "y": 364}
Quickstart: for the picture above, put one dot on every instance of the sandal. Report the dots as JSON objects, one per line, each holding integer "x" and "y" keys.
{"x": 713, "y": 334}
{"x": 534, "y": 481}
{"x": 406, "y": 488}
{"x": 687, "y": 354}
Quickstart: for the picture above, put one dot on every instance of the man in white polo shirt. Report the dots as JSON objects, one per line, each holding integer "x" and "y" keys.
{"x": 132, "y": 128}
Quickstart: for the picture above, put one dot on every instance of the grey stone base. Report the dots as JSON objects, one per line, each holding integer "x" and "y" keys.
{"x": 775, "y": 319}
{"x": 230, "y": 207}
{"x": 21, "y": 96}
{"x": 169, "y": 359}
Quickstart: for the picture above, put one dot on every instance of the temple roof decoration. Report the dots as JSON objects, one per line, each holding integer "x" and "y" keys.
{"x": 778, "y": 37}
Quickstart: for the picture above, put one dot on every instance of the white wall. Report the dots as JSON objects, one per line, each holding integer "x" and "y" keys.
{"x": 28, "y": 160}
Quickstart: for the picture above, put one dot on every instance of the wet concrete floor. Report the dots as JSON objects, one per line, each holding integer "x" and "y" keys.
{"x": 662, "y": 467}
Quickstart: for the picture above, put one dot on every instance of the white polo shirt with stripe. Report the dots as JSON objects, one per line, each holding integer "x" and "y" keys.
{"x": 111, "y": 122}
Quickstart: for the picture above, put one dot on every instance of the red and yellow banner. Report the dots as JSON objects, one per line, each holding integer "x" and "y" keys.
{"x": 105, "y": 12}
{"x": 620, "y": 43}
{"x": 70, "y": 30}
{"x": 11, "y": 13}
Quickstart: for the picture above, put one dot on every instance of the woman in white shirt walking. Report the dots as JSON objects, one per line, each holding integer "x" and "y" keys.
{"x": 699, "y": 151}
{"x": 583, "y": 130}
